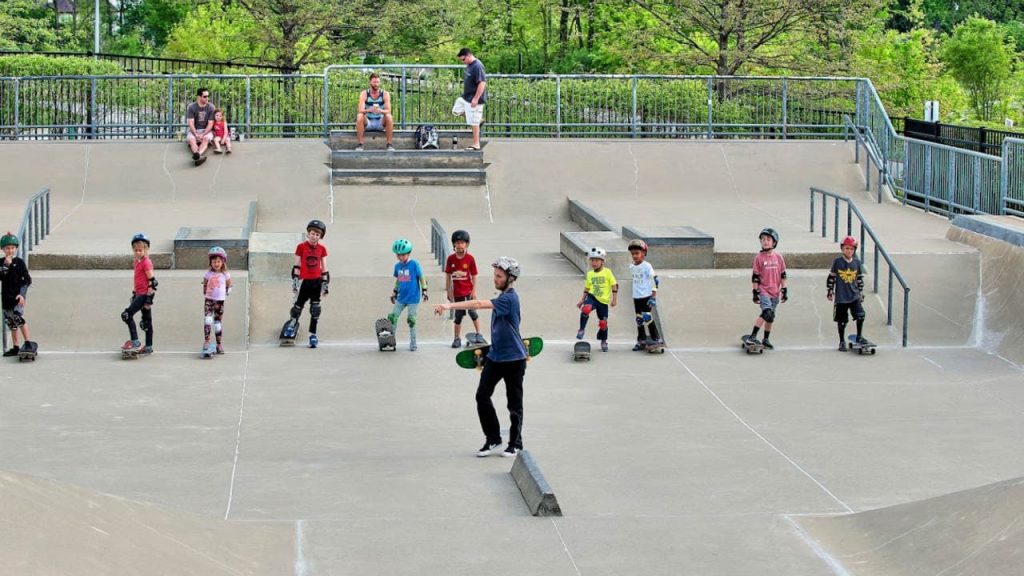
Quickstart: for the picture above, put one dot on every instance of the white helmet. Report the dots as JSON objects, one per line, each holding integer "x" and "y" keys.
{"x": 597, "y": 253}
{"x": 507, "y": 264}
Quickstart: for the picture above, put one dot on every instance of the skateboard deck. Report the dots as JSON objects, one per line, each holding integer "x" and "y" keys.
{"x": 28, "y": 352}
{"x": 132, "y": 354}
{"x": 657, "y": 347}
{"x": 385, "y": 335}
{"x": 866, "y": 348}
{"x": 208, "y": 351}
{"x": 475, "y": 339}
{"x": 751, "y": 344}
{"x": 581, "y": 351}
{"x": 475, "y": 356}
{"x": 289, "y": 331}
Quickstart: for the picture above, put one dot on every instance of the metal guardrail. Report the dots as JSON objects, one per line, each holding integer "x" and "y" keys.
{"x": 878, "y": 250}
{"x": 35, "y": 226}
{"x": 440, "y": 247}
{"x": 1012, "y": 177}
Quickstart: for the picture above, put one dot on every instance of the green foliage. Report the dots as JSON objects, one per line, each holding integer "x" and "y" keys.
{"x": 39, "y": 65}
{"x": 155, "y": 19}
{"x": 26, "y": 25}
{"x": 980, "y": 56}
{"x": 216, "y": 32}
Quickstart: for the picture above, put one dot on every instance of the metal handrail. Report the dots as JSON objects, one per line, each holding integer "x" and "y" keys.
{"x": 35, "y": 226}
{"x": 865, "y": 232}
{"x": 440, "y": 247}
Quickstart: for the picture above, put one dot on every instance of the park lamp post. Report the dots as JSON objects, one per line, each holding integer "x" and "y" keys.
{"x": 96, "y": 31}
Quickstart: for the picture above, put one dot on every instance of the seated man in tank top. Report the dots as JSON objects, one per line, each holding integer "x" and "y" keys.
{"x": 373, "y": 114}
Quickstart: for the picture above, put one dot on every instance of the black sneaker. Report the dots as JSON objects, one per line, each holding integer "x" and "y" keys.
{"x": 767, "y": 344}
{"x": 195, "y": 155}
{"x": 639, "y": 346}
{"x": 12, "y": 352}
{"x": 488, "y": 449}
{"x": 842, "y": 346}
{"x": 510, "y": 452}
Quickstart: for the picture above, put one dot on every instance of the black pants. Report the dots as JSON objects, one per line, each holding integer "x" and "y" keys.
{"x": 139, "y": 302}
{"x": 512, "y": 373}
{"x": 309, "y": 290}
{"x": 641, "y": 306}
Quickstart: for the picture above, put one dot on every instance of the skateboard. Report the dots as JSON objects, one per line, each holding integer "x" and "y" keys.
{"x": 208, "y": 351}
{"x": 475, "y": 356}
{"x": 28, "y": 351}
{"x": 289, "y": 331}
{"x": 656, "y": 346}
{"x": 385, "y": 335}
{"x": 475, "y": 339}
{"x": 581, "y": 351}
{"x": 131, "y": 354}
{"x": 751, "y": 345}
{"x": 865, "y": 348}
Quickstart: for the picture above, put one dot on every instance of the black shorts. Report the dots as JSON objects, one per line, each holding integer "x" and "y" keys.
{"x": 460, "y": 314}
{"x": 842, "y": 312}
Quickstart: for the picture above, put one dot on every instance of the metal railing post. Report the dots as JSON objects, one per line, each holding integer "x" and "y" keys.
{"x": 558, "y": 106}
{"x": 888, "y": 315}
{"x": 327, "y": 103}
{"x": 633, "y": 117}
{"x": 711, "y": 107}
{"x": 785, "y": 100}
{"x": 927, "y": 178}
{"x": 92, "y": 107}
{"x": 875, "y": 263}
{"x": 1004, "y": 177}
{"x": 977, "y": 188}
{"x": 17, "y": 106}
{"x": 248, "y": 106}
{"x": 906, "y": 315}
{"x": 835, "y": 224}
{"x": 170, "y": 107}
{"x": 849, "y": 220}
{"x": 812, "y": 209}
{"x": 403, "y": 84}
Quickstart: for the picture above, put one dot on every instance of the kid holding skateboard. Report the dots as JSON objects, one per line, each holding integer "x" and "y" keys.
{"x": 768, "y": 285}
{"x": 310, "y": 278}
{"x": 143, "y": 290}
{"x": 460, "y": 272}
{"x": 216, "y": 288}
{"x": 845, "y": 287}
{"x": 410, "y": 288}
{"x": 506, "y": 359}
{"x": 16, "y": 280}
{"x": 600, "y": 290}
{"x": 645, "y": 290}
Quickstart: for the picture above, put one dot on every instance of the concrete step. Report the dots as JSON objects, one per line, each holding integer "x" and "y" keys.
{"x": 412, "y": 176}
{"x": 380, "y": 159}
{"x": 402, "y": 139}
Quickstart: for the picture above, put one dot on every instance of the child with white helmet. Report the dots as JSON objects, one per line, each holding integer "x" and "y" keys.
{"x": 600, "y": 290}
{"x": 216, "y": 289}
{"x": 15, "y": 279}
{"x": 410, "y": 288}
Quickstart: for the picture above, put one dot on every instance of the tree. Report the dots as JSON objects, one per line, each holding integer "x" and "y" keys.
{"x": 26, "y": 25}
{"x": 725, "y": 36}
{"x": 980, "y": 57}
{"x": 216, "y": 32}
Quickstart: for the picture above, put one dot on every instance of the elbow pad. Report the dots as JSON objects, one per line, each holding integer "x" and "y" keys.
{"x": 860, "y": 283}
{"x": 153, "y": 283}
{"x": 783, "y": 276}
{"x": 755, "y": 278}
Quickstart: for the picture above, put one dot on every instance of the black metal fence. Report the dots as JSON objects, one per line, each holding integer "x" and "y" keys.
{"x": 156, "y": 65}
{"x": 985, "y": 140}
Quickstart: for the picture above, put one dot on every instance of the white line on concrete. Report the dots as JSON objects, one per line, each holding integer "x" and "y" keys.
{"x": 213, "y": 183}
{"x": 636, "y": 170}
{"x": 487, "y": 196}
{"x": 301, "y": 566}
{"x": 565, "y": 547}
{"x": 412, "y": 214}
{"x": 85, "y": 180}
{"x": 758, "y": 434}
{"x": 330, "y": 185}
{"x": 836, "y": 567}
{"x": 933, "y": 362}
{"x": 174, "y": 185}
{"x": 238, "y": 436}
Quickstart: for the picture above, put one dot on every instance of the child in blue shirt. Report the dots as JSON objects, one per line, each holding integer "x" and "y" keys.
{"x": 410, "y": 288}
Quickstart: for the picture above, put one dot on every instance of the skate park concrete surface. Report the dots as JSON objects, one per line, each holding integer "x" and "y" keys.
{"x": 346, "y": 460}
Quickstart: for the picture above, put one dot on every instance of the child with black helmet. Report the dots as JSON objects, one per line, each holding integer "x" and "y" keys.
{"x": 600, "y": 290}
{"x": 506, "y": 360}
{"x": 216, "y": 289}
{"x": 845, "y": 288}
{"x": 768, "y": 282}
{"x": 460, "y": 274}
{"x": 15, "y": 279}
{"x": 310, "y": 278}
{"x": 410, "y": 288}
{"x": 143, "y": 289}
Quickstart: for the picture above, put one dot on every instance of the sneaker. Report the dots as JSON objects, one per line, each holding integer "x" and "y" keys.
{"x": 457, "y": 343}
{"x": 842, "y": 346}
{"x": 604, "y": 345}
{"x": 220, "y": 349}
{"x": 767, "y": 344}
{"x": 12, "y": 352}
{"x": 146, "y": 351}
{"x": 488, "y": 449}
{"x": 412, "y": 346}
{"x": 313, "y": 341}
{"x": 130, "y": 345}
{"x": 391, "y": 148}
{"x": 195, "y": 155}
{"x": 579, "y": 335}
{"x": 639, "y": 346}
{"x": 510, "y": 452}
{"x": 359, "y": 148}
{"x": 199, "y": 161}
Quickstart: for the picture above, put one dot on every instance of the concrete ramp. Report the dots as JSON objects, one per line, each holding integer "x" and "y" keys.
{"x": 49, "y": 528}
{"x": 978, "y": 531}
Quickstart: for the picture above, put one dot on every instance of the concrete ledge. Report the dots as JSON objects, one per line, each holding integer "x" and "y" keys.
{"x": 538, "y": 495}
{"x": 48, "y": 261}
{"x": 794, "y": 260}
{"x": 382, "y": 159}
{"x": 192, "y": 244}
{"x": 675, "y": 247}
{"x": 272, "y": 254}
{"x": 402, "y": 139}
{"x": 588, "y": 219}
{"x": 1009, "y": 229}
{"x": 576, "y": 245}
{"x": 411, "y": 177}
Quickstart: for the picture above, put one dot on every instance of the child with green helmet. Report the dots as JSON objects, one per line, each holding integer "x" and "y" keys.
{"x": 410, "y": 288}
{"x": 15, "y": 279}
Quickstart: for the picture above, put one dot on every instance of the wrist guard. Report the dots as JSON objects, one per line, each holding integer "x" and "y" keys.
{"x": 325, "y": 278}
{"x": 153, "y": 283}
{"x": 830, "y": 283}
{"x": 860, "y": 283}
{"x": 295, "y": 271}
{"x": 785, "y": 293}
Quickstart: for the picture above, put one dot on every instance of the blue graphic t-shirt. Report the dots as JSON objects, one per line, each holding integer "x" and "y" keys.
{"x": 408, "y": 276}
{"x": 506, "y": 343}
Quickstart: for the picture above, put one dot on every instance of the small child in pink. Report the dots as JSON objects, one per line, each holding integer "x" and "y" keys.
{"x": 769, "y": 285}
{"x": 216, "y": 288}
{"x": 221, "y": 132}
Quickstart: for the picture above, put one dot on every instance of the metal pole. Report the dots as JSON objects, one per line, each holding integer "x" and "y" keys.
{"x": 824, "y": 216}
{"x": 404, "y": 90}
{"x": 849, "y": 220}
{"x": 888, "y": 315}
{"x": 170, "y": 107}
{"x": 96, "y": 33}
{"x": 17, "y": 97}
{"x": 711, "y": 107}
{"x": 558, "y": 106}
{"x": 784, "y": 106}
{"x": 1004, "y": 175}
{"x": 977, "y": 187}
{"x": 92, "y": 106}
{"x": 812, "y": 210}
{"x": 248, "y": 107}
{"x": 327, "y": 104}
{"x": 876, "y": 270}
{"x": 835, "y": 224}
{"x": 906, "y": 314}
{"x": 927, "y": 178}
{"x": 633, "y": 118}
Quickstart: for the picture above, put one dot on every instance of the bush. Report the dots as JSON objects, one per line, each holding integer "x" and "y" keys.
{"x": 40, "y": 65}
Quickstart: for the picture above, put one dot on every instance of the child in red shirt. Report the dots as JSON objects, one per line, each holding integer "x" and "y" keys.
{"x": 460, "y": 273}
{"x": 221, "y": 133}
{"x": 143, "y": 288}
{"x": 310, "y": 278}
{"x": 769, "y": 285}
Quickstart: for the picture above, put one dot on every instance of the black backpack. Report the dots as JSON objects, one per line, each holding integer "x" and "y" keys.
{"x": 426, "y": 138}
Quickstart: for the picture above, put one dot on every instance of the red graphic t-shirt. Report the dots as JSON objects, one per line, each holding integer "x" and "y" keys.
{"x": 770, "y": 266}
{"x": 462, "y": 271}
{"x": 141, "y": 281}
{"x": 309, "y": 260}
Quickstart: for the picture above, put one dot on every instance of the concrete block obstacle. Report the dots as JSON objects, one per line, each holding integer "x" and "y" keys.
{"x": 587, "y": 218}
{"x": 410, "y": 177}
{"x": 272, "y": 254}
{"x": 575, "y": 246}
{"x": 192, "y": 244}
{"x": 401, "y": 139}
{"x": 380, "y": 159}
{"x": 449, "y": 165}
{"x": 539, "y": 497}
{"x": 675, "y": 246}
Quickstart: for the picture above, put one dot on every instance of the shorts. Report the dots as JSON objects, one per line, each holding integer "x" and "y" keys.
{"x": 13, "y": 317}
{"x": 374, "y": 124}
{"x": 842, "y": 312}
{"x": 460, "y": 314}
{"x": 474, "y": 116}
{"x": 767, "y": 302}
{"x": 208, "y": 137}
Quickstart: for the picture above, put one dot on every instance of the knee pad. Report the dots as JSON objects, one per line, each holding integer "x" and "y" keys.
{"x": 639, "y": 319}
{"x": 647, "y": 318}
{"x": 314, "y": 310}
{"x": 144, "y": 324}
{"x": 208, "y": 320}
{"x": 126, "y": 317}
{"x": 768, "y": 314}
{"x": 411, "y": 321}
{"x": 602, "y": 325}
{"x": 217, "y": 327}
{"x": 858, "y": 313}
{"x": 586, "y": 309}
{"x": 459, "y": 315}
{"x": 393, "y": 318}
{"x": 296, "y": 310}
{"x": 473, "y": 315}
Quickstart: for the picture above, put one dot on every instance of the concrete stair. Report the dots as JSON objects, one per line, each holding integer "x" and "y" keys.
{"x": 446, "y": 166}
